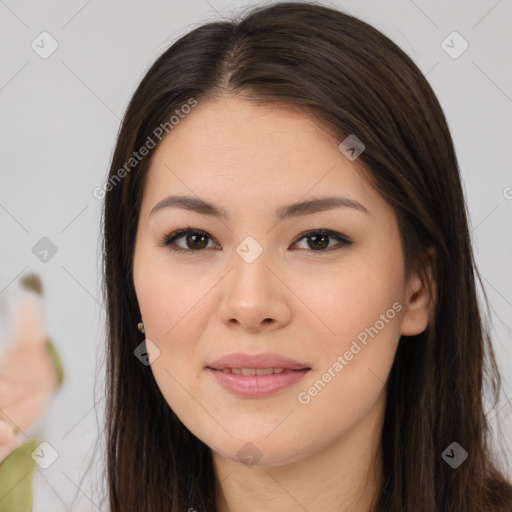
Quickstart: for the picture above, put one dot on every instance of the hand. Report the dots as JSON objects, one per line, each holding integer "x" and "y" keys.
{"x": 27, "y": 383}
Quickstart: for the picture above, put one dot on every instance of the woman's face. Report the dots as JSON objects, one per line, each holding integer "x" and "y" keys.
{"x": 253, "y": 282}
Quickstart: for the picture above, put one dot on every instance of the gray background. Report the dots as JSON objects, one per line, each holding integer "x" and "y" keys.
{"x": 59, "y": 118}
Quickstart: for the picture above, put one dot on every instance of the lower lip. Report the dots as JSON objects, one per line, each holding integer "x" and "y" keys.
{"x": 256, "y": 386}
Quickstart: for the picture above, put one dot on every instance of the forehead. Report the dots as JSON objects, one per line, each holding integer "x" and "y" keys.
{"x": 253, "y": 155}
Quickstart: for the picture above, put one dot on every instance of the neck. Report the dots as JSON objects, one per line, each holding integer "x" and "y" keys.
{"x": 345, "y": 476}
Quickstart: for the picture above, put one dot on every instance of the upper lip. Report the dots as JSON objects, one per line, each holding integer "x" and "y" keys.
{"x": 266, "y": 360}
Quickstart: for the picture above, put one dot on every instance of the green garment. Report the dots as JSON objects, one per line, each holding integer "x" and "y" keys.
{"x": 54, "y": 356}
{"x": 17, "y": 469}
{"x": 16, "y": 479}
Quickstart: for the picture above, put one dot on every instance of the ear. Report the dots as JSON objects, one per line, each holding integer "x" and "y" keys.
{"x": 419, "y": 304}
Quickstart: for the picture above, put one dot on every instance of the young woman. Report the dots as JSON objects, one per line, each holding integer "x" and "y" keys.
{"x": 292, "y": 313}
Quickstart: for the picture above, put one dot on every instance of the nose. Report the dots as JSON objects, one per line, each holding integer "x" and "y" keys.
{"x": 254, "y": 297}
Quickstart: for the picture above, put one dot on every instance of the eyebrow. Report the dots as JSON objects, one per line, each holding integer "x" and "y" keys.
{"x": 195, "y": 204}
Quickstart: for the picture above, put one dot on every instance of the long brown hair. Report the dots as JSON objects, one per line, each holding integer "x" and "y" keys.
{"x": 355, "y": 81}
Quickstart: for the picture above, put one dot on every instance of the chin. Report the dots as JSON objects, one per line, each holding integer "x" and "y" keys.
{"x": 259, "y": 451}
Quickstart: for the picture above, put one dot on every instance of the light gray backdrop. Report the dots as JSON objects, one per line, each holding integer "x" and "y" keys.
{"x": 60, "y": 113}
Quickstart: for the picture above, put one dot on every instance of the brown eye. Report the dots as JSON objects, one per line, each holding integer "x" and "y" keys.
{"x": 195, "y": 240}
{"x": 318, "y": 240}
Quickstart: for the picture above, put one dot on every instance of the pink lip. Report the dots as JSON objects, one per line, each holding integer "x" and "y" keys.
{"x": 256, "y": 386}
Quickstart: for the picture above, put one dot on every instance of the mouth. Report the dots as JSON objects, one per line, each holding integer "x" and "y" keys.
{"x": 258, "y": 371}
{"x": 256, "y": 376}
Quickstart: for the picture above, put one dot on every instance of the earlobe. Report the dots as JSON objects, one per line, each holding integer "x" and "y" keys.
{"x": 419, "y": 301}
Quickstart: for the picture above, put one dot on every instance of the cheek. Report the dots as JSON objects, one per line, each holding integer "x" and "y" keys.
{"x": 363, "y": 312}
{"x": 355, "y": 357}
{"x": 167, "y": 297}
{"x": 174, "y": 318}
{"x": 354, "y": 365}
{"x": 366, "y": 295}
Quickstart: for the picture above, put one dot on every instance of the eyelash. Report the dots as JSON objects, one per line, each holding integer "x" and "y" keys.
{"x": 169, "y": 239}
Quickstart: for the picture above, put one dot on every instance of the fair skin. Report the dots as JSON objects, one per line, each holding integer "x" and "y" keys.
{"x": 300, "y": 300}
{"x": 27, "y": 375}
